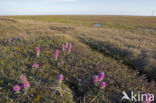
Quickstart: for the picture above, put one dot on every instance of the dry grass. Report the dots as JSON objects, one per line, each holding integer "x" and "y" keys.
{"x": 136, "y": 51}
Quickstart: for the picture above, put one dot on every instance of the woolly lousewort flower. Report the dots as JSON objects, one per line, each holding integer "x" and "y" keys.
{"x": 63, "y": 47}
{"x": 16, "y": 88}
{"x": 10, "y": 39}
{"x": 56, "y": 54}
{"x": 60, "y": 77}
{"x": 95, "y": 79}
{"x": 70, "y": 45}
{"x": 15, "y": 37}
{"x": 23, "y": 78}
{"x": 35, "y": 65}
{"x": 38, "y": 51}
{"x": 26, "y": 84}
{"x": 24, "y": 36}
{"x": 101, "y": 76}
{"x": 103, "y": 84}
{"x": 148, "y": 98}
{"x": 69, "y": 50}
{"x": 24, "y": 81}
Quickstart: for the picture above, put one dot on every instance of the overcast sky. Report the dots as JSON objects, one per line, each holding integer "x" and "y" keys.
{"x": 99, "y": 7}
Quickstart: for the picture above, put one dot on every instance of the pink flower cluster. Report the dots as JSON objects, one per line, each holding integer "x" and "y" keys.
{"x": 24, "y": 81}
{"x": 67, "y": 46}
{"x": 11, "y": 39}
{"x": 99, "y": 78}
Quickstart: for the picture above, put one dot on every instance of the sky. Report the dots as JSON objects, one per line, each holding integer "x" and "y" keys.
{"x": 75, "y": 7}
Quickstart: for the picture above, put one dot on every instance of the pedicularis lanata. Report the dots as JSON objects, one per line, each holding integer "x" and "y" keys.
{"x": 69, "y": 50}
{"x": 69, "y": 47}
{"x": 38, "y": 51}
{"x": 103, "y": 84}
{"x": 60, "y": 78}
{"x": 10, "y": 39}
{"x": 99, "y": 84}
{"x": 24, "y": 82}
{"x": 56, "y": 54}
{"x": 15, "y": 37}
{"x": 63, "y": 47}
{"x": 98, "y": 80}
{"x": 24, "y": 36}
{"x": 26, "y": 85}
{"x": 101, "y": 76}
{"x": 148, "y": 98}
{"x": 35, "y": 65}
{"x": 22, "y": 78}
{"x": 16, "y": 88}
{"x": 95, "y": 79}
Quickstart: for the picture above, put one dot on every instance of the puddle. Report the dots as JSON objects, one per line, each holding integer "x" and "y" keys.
{"x": 97, "y": 25}
{"x": 150, "y": 29}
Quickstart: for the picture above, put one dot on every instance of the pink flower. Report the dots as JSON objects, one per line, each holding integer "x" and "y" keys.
{"x": 26, "y": 84}
{"x": 16, "y": 88}
{"x": 24, "y": 81}
{"x": 70, "y": 45}
{"x": 38, "y": 51}
{"x": 23, "y": 78}
{"x": 101, "y": 76}
{"x": 24, "y": 36}
{"x": 103, "y": 84}
{"x": 95, "y": 79}
{"x": 15, "y": 37}
{"x": 69, "y": 50}
{"x": 63, "y": 47}
{"x": 56, "y": 54}
{"x": 148, "y": 98}
{"x": 35, "y": 65}
{"x": 10, "y": 39}
{"x": 60, "y": 77}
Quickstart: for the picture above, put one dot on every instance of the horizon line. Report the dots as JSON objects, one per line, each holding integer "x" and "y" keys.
{"x": 75, "y": 15}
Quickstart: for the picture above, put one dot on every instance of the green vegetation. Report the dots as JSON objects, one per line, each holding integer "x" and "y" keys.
{"x": 120, "y": 22}
{"x": 123, "y": 54}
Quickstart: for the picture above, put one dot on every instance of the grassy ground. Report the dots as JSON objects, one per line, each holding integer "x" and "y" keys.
{"x": 120, "y": 22}
{"x": 113, "y": 50}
